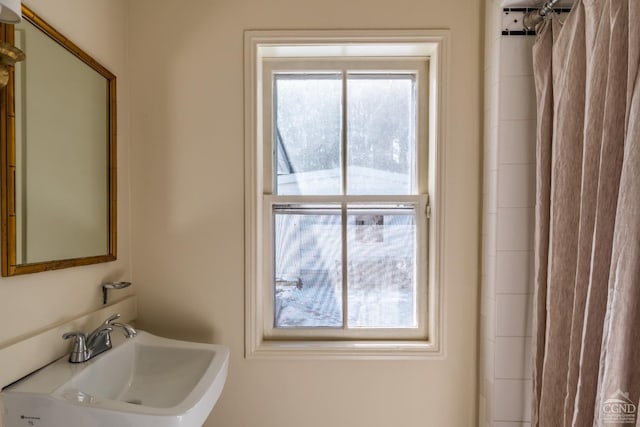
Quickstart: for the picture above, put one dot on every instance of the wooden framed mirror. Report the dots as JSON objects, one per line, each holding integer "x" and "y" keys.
{"x": 57, "y": 154}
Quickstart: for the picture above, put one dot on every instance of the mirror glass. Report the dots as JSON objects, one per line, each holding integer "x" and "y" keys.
{"x": 59, "y": 157}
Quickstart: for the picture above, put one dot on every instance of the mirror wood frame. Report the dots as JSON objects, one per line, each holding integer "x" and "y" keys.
{"x": 8, "y": 159}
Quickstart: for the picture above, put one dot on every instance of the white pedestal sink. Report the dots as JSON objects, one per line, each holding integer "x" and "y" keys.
{"x": 145, "y": 381}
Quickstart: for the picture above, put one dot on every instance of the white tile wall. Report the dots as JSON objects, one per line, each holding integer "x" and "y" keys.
{"x": 508, "y": 207}
{"x": 482, "y": 413}
{"x": 515, "y": 56}
{"x": 512, "y": 400}
{"x": 491, "y": 317}
{"x": 513, "y": 315}
{"x": 512, "y": 358}
{"x": 517, "y": 142}
{"x": 514, "y": 271}
{"x": 516, "y": 185}
{"x": 493, "y": 19}
{"x": 491, "y": 200}
{"x": 515, "y": 229}
{"x": 490, "y": 244}
{"x": 516, "y": 94}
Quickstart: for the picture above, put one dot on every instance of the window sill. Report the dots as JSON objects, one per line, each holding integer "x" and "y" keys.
{"x": 345, "y": 350}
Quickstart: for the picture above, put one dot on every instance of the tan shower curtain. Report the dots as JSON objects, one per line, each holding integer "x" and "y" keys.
{"x": 587, "y": 302}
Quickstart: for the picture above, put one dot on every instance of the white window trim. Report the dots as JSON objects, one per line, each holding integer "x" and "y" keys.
{"x": 404, "y": 43}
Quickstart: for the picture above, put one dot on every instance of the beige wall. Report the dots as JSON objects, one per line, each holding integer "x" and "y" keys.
{"x": 34, "y": 302}
{"x": 186, "y": 65}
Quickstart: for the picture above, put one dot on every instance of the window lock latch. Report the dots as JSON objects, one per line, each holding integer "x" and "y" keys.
{"x": 427, "y": 208}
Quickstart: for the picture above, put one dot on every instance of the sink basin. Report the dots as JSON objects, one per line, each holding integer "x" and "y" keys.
{"x": 146, "y": 381}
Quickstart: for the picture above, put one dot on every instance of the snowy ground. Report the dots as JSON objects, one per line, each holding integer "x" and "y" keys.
{"x": 380, "y": 282}
{"x": 320, "y": 305}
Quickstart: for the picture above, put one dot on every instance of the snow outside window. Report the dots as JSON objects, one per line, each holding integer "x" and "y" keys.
{"x": 341, "y": 158}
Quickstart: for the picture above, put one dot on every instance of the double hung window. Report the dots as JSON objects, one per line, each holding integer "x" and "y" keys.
{"x": 341, "y": 203}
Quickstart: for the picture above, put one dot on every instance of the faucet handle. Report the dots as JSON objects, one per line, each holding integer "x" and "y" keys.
{"x": 100, "y": 334}
{"x": 111, "y": 319}
{"x": 78, "y": 335}
{"x": 105, "y": 327}
{"x": 79, "y": 353}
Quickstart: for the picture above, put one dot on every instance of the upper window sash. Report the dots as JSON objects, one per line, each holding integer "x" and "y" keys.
{"x": 345, "y": 66}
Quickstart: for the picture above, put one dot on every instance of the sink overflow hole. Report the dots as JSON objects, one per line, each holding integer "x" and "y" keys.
{"x": 135, "y": 401}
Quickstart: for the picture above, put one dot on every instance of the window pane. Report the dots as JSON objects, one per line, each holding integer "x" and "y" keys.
{"x": 308, "y": 272}
{"x": 307, "y": 133}
{"x": 381, "y": 134}
{"x": 381, "y": 273}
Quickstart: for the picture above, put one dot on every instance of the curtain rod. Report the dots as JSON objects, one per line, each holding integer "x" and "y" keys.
{"x": 533, "y": 18}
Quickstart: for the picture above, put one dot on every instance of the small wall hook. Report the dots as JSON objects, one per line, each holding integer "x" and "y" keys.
{"x": 112, "y": 285}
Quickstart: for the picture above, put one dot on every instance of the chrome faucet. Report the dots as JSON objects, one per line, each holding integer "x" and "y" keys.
{"x": 87, "y": 346}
